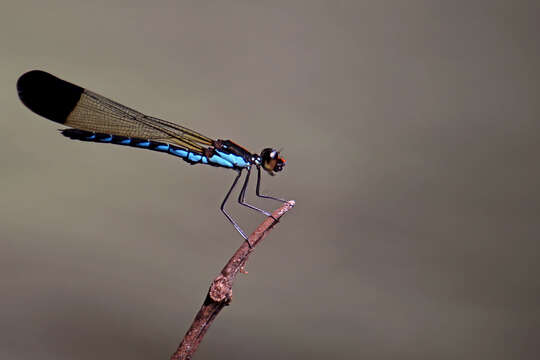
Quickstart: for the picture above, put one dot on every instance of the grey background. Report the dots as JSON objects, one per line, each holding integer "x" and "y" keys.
{"x": 411, "y": 132}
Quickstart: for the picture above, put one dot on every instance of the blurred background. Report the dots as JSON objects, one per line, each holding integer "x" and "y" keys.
{"x": 411, "y": 133}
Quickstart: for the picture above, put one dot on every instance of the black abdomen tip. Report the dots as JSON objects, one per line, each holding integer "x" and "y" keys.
{"x": 47, "y": 95}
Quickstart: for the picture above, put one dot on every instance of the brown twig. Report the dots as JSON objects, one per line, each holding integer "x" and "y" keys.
{"x": 220, "y": 292}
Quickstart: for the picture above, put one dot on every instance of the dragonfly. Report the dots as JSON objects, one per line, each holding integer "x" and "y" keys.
{"x": 95, "y": 118}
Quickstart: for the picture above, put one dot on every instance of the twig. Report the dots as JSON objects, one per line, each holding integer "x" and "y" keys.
{"x": 220, "y": 292}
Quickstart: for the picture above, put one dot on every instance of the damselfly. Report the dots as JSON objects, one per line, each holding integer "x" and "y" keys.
{"x": 92, "y": 117}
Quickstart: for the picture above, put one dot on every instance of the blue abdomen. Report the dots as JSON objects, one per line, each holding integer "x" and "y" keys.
{"x": 189, "y": 156}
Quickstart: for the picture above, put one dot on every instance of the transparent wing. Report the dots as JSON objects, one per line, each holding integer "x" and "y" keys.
{"x": 99, "y": 114}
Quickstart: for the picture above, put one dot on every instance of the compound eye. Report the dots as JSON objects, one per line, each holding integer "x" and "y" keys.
{"x": 271, "y": 161}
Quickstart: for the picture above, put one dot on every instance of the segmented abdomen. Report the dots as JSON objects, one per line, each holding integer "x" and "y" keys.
{"x": 188, "y": 156}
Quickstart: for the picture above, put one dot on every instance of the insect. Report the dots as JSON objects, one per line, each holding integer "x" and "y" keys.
{"x": 92, "y": 117}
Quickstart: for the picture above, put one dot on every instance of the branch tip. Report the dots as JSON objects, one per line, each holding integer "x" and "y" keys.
{"x": 220, "y": 292}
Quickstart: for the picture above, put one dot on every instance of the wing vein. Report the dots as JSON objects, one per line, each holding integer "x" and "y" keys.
{"x": 97, "y": 113}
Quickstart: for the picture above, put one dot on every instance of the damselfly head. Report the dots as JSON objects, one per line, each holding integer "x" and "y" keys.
{"x": 271, "y": 161}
